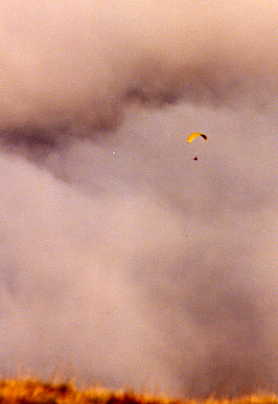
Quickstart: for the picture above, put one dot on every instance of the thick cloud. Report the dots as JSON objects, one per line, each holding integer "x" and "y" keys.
{"x": 123, "y": 260}
{"x": 65, "y": 64}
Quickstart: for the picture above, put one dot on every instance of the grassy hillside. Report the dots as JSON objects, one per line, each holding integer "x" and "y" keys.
{"x": 32, "y": 391}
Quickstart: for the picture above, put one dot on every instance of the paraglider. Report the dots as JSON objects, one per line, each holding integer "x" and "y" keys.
{"x": 194, "y": 135}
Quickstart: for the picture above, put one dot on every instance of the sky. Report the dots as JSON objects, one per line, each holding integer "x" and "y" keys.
{"x": 124, "y": 261}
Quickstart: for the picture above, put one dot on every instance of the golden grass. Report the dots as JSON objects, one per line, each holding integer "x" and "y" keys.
{"x": 32, "y": 391}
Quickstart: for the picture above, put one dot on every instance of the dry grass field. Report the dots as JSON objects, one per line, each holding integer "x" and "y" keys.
{"x": 32, "y": 391}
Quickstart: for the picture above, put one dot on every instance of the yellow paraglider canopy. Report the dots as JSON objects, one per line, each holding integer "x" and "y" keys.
{"x": 194, "y": 135}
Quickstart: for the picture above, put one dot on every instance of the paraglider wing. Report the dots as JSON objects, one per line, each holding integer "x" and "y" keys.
{"x": 194, "y": 135}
